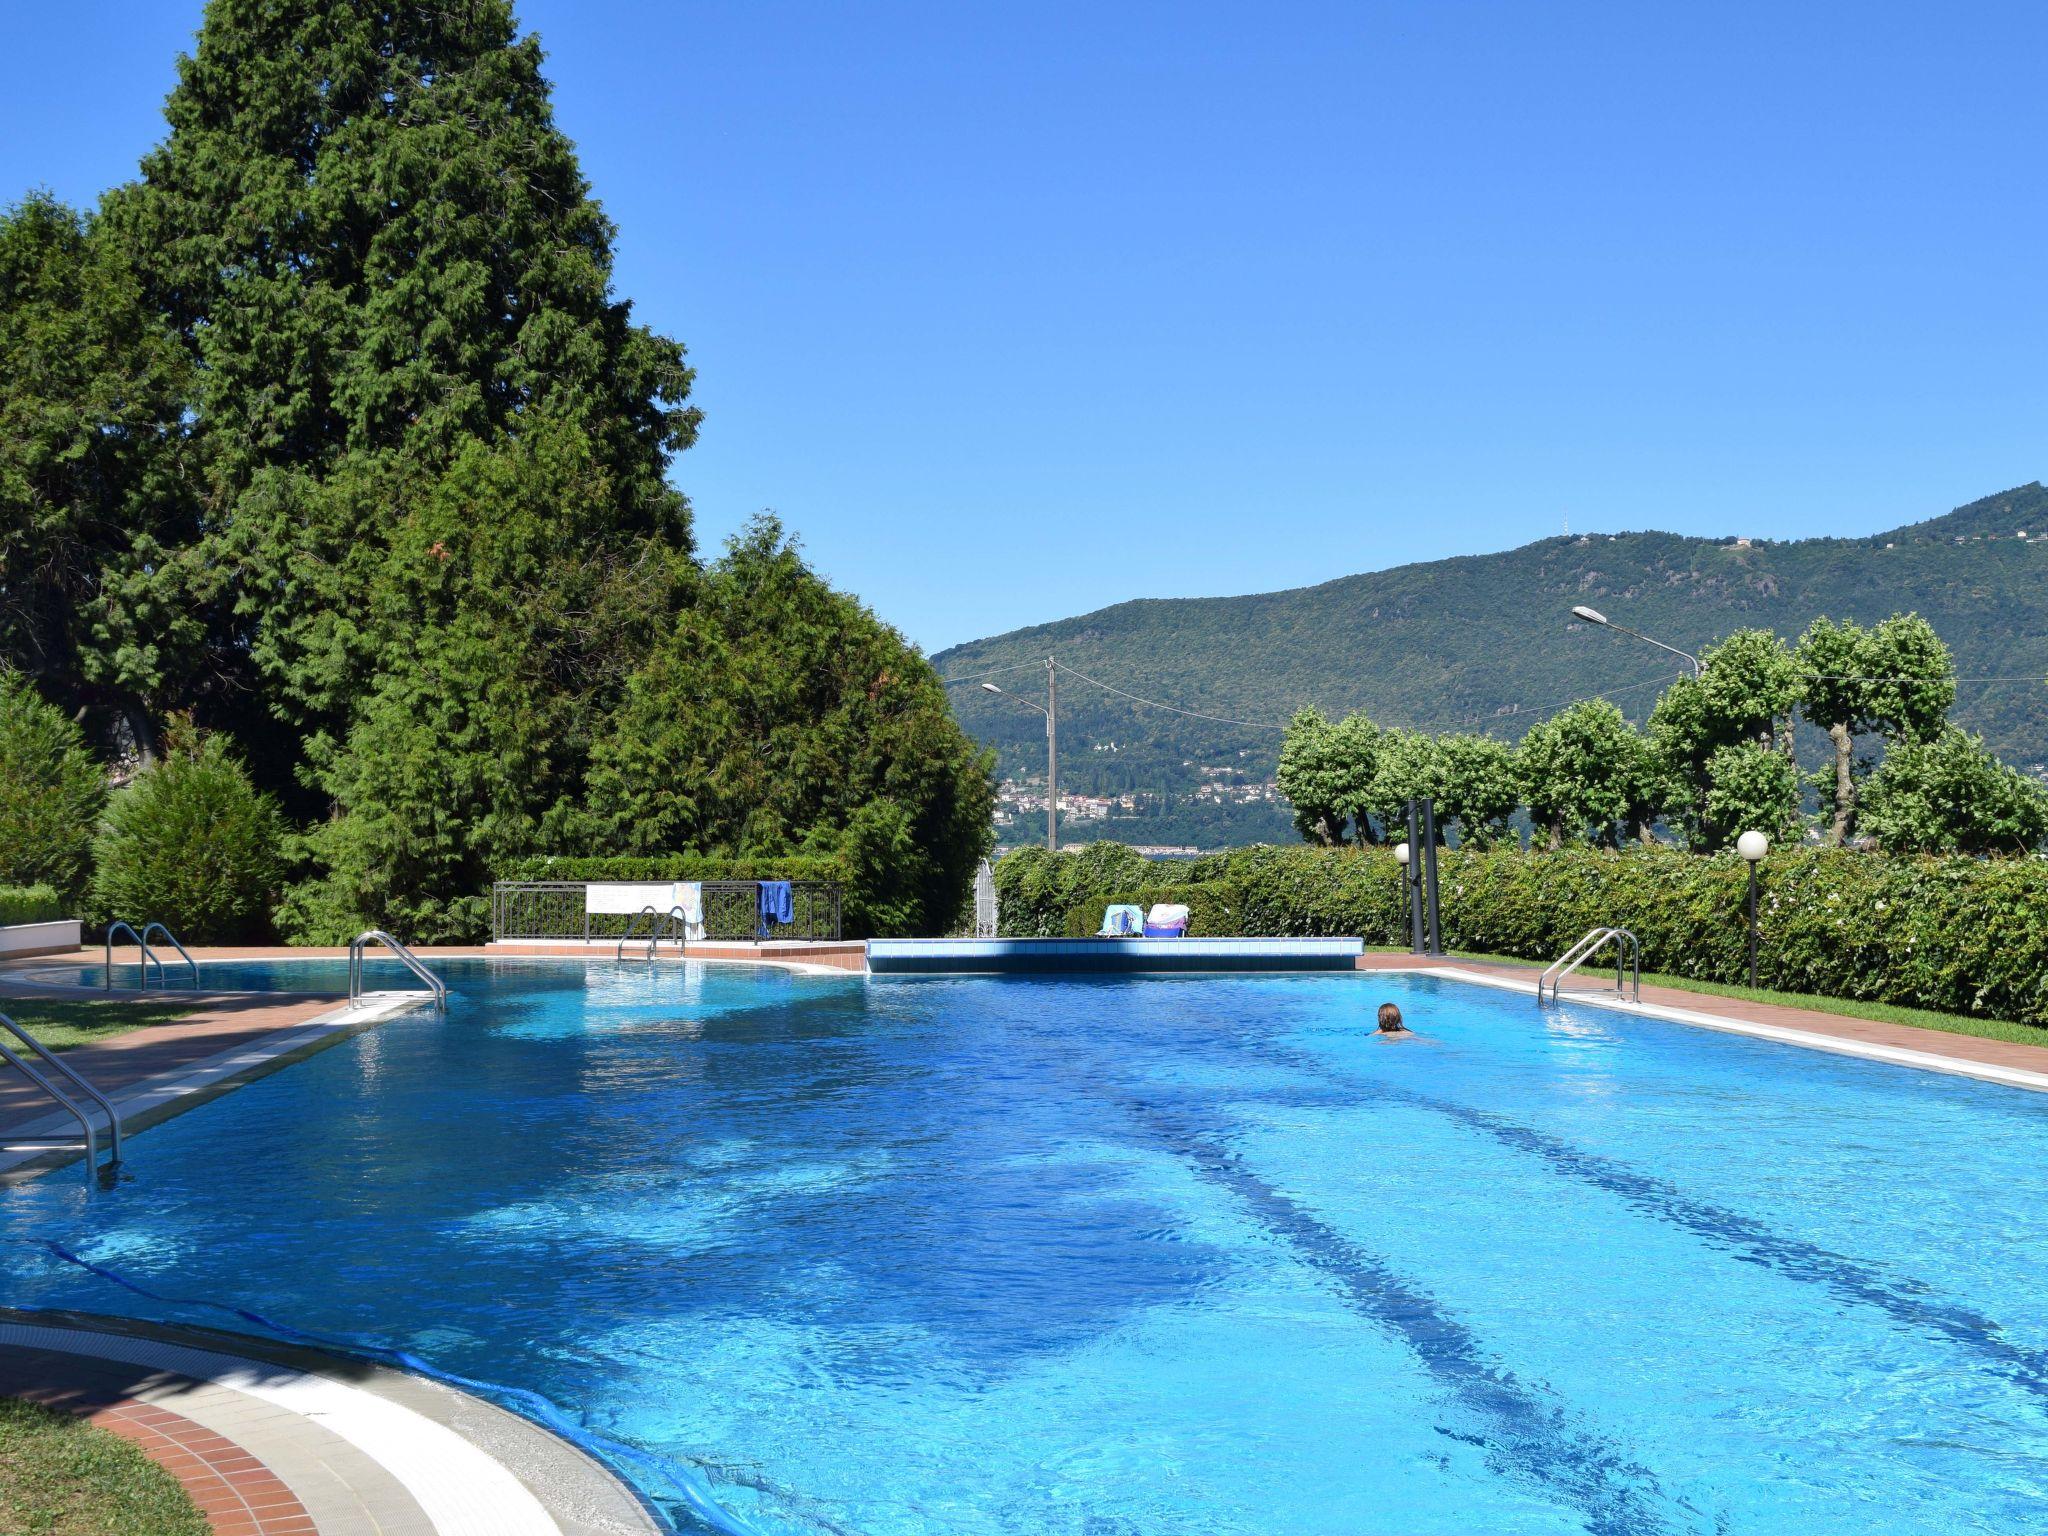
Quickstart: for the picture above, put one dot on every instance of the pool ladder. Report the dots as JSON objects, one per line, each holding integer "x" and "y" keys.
{"x": 406, "y": 957}
{"x": 666, "y": 924}
{"x": 149, "y": 956}
{"x": 1627, "y": 953}
{"x": 41, "y": 1079}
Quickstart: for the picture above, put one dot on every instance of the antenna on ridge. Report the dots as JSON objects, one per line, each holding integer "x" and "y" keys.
{"x": 1567, "y": 525}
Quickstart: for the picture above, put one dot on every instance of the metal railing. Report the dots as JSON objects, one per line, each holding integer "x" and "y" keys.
{"x": 666, "y": 924}
{"x": 148, "y": 956}
{"x": 77, "y": 1111}
{"x": 539, "y": 910}
{"x": 406, "y": 957}
{"x": 1628, "y": 957}
{"x": 172, "y": 939}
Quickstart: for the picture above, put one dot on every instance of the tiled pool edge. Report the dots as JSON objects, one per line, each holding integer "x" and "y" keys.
{"x": 464, "y": 1466}
{"x": 1839, "y": 1045}
{"x": 156, "y": 1099}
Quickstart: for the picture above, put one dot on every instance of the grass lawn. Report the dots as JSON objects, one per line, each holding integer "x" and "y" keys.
{"x": 1847, "y": 1008}
{"x": 60, "y": 1476}
{"x": 61, "y": 1023}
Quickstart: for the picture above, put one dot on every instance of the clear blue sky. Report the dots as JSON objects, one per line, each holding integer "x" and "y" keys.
{"x": 1015, "y": 311}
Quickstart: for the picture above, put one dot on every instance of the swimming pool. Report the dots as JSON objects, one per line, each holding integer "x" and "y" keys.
{"x": 1139, "y": 1257}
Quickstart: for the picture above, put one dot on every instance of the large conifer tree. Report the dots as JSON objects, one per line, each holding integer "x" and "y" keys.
{"x": 433, "y": 441}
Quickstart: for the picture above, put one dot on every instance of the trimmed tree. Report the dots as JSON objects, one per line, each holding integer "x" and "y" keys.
{"x": 191, "y": 843}
{"x": 1950, "y": 795}
{"x": 1897, "y": 678}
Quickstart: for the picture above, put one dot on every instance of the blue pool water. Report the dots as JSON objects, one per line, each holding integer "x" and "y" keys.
{"x": 1139, "y": 1257}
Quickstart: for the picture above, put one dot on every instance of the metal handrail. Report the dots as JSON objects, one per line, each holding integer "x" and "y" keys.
{"x": 52, "y": 1059}
{"x": 107, "y": 969}
{"x": 1627, "y": 952}
{"x": 183, "y": 953}
{"x": 405, "y": 956}
{"x": 672, "y": 918}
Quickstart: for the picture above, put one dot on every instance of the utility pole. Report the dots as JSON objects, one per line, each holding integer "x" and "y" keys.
{"x": 1052, "y": 758}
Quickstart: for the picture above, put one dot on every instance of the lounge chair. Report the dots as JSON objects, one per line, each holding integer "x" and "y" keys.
{"x": 1166, "y": 920}
{"x": 1122, "y": 921}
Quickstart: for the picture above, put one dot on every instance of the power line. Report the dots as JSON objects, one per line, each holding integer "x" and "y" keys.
{"x": 1193, "y": 714}
{"x": 1512, "y": 711}
{"x": 985, "y": 676}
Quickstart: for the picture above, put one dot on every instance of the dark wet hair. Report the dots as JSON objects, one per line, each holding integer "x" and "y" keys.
{"x": 1390, "y": 1018}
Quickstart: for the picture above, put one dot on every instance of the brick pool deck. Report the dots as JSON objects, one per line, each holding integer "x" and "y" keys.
{"x": 276, "y": 1441}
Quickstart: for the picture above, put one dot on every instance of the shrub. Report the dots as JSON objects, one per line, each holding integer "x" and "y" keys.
{"x": 29, "y": 904}
{"x": 1214, "y": 908}
{"x": 1960, "y": 935}
{"x": 193, "y": 844}
{"x": 51, "y": 792}
{"x": 1035, "y": 889}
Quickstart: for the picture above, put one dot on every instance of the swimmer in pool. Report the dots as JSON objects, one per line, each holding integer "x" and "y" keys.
{"x": 1390, "y": 1021}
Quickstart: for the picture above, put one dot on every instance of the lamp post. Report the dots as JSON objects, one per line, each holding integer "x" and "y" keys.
{"x": 1051, "y": 710}
{"x": 1404, "y": 855}
{"x": 1595, "y": 616}
{"x": 1752, "y": 846}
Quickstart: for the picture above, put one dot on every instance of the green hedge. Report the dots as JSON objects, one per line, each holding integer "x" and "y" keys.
{"x": 29, "y": 904}
{"x": 1215, "y": 908}
{"x": 1960, "y": 935}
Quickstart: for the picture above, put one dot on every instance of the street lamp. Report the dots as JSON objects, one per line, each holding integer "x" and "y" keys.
{"x": 1752, "y": 846}
{"x": 1595, "y": 616}
{"x": 1051, "y": 710}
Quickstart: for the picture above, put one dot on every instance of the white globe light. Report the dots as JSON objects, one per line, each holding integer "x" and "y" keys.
{"x": 1752, "y": 846}
{"x": 1401, "y": 853}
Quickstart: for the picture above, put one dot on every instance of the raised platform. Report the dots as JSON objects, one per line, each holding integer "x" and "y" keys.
{"x": 1050, "y": 957}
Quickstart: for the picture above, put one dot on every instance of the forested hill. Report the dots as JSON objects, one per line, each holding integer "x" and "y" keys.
{"x": 1487, "y": 642}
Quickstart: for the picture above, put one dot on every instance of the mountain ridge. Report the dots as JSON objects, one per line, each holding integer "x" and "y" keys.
{"x": 1486, "y": 642}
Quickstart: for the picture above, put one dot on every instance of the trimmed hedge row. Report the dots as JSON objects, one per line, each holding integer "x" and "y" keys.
{"x": 29, "y": 904}
{"x": 1960, "y": 935}
{"x": 1215, "y": 908}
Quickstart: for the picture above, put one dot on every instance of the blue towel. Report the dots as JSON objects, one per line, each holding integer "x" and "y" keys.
{"x": 777, "y": 905}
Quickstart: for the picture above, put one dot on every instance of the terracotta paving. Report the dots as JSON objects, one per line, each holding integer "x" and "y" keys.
{"x": 1904, "y": 1037}
{"x": 237, "y": 1493}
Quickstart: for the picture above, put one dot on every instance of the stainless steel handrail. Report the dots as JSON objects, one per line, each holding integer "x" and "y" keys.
{"x": 52, "y": 1059}
{"x": 1627, "y": 952}
{"x": 183, "y": 953}
{"x": 107, "y": 969}
{"x": 671, "y": 920}
{"x": 405, "y": 956}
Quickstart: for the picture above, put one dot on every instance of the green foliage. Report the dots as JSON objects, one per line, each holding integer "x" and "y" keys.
{"x": 1326, "y": 772}
{"x": 1477, "y": 789}
{"x": 785, "y": 717}
{"x": 29, "y": 904}
{"x": 1215, "y": 908}
{"x": 51, "y": 792}
{"x": 1752, "y": 787}
{"x": 94, "y": 499}
{"x": 1035, "y": 889}
{"x": 1576, "y": 770}
{"x": 1950, "y": 795}
{"x": 190, "y": 843}
{"x": 1897, "y": 678}
{"x": 671, "y": 866}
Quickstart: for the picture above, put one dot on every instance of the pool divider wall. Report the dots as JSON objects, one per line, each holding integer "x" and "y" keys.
{"x": 1050, "y": 957}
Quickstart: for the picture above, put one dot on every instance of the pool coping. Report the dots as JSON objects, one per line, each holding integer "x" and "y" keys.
{"x": 1809, "y": 1039}
{"x": 364, "y": 1447}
